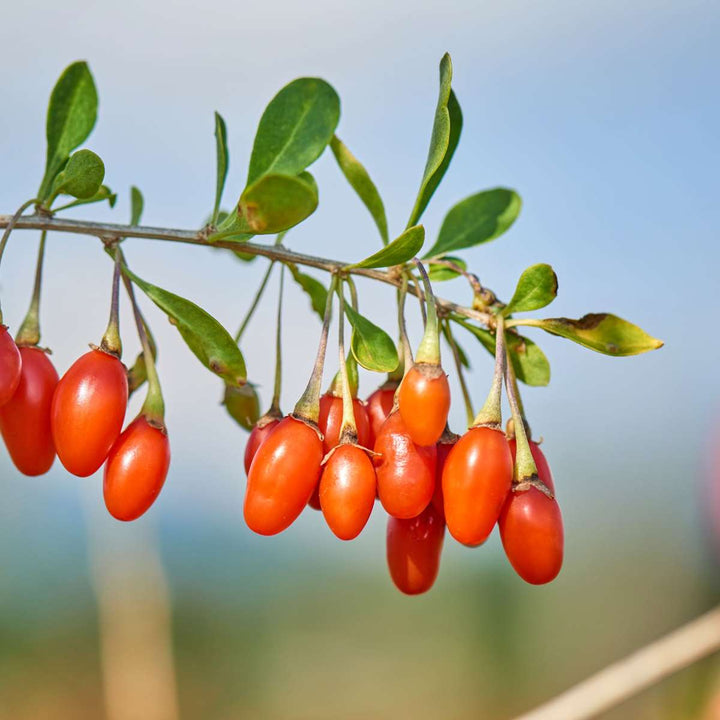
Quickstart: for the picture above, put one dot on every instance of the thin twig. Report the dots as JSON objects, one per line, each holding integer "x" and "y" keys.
{"x": 627, "y": 677}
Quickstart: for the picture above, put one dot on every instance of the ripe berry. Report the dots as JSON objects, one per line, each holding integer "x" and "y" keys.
{"x": 347, "y": 490}
{"x": 424, "y": 401}
{"x": 25, "y": 419}
{"x": 314, "y": 501}
{"x": 379, "y": 405}
{"x": 475, "y": 482}
{"x": 531, "y": 528}
{"x": 413, "y": 550}
{"x": 88, "y": 410}
{"x": 259, "y": 434}
{"x": 136, "y": 469}
{"x": 282, "y": 476}
{"x": 405, "y": 471}
{"x": 330, "y": 421}
{"x": 10, "y": 365}
{"x": 444, "y": 446}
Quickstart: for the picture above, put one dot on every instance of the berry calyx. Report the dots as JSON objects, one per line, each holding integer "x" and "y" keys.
{"x": 88, "y": 409}
{"x": 25, "y": 418}
{"x": 10, "y": 365}
{"x": 136, "y": 469}
{"x": 414, "y": 546}
{"x": 405, "y": 471}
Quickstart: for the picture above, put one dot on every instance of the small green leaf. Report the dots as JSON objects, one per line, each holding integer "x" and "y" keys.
{"x": 71, "y": 116}
{"x": 360, "y": 181}
{"x": 205, "y": 336}
{"x": 81, "y": 177}
{"x": 477, "y": 219}
{"x": 403, "y": 248}
{"x": 242, "y": 404}
{"x": 447, "y": 127}
{"x": 372, "y": 346}
{"x": 137, "y": 204}
{"x": 295, "y": 128}
{"x": 103, "y": 193}
{"x": 315, "y": 290}
{"x": 602, "y": 332}
{"x": 528, "y": 360}
{"x": 222, "y": 162}
{"x": 536, "y": 288}
{"x": 438, "y": 273}
{"x": 273, "y": 204}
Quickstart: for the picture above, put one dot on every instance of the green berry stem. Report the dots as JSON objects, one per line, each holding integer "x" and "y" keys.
{"x": 111, "y": 342}
{"x": 348, "y": 429}
{"x": 275, "y": 404}
{"x": 447, "y": 331}
{"x": 307, "y": 407}
{"x": 154, "y": 406}
{"x": 512, "y": 379}
{"x": 253, "y": 305}
{"x": 406, "y": 356}
{"x": 29, "y": 332}
{"x": 9, "y": 229}
{"x": 429, "y": 350}
{"x": 491, "y": 413}
{"x": 420, "y": 295}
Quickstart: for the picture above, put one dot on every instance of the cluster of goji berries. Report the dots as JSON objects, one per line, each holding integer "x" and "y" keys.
{"x": 396, "y": 447}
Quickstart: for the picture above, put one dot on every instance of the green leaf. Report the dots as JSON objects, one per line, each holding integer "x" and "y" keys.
{"x": 137, "y": 204}
{"x": 528, "y": 360}
{"x": 205, "y": 336}
{"x": 103, "y": 193}
{"x": 295, "y": 128}
{"x": 438, "y": 273}
{"x": 314, "y": 288}
{"x": 361, "y": 183}
{"x": 242, "y": 404}
{"x": 71, "y": 116}
{"x": 81, "y": 177}
{"x": 602, "y": 332}
{"x": 403, "y": 248}
{"x": 536, "y": 288}
{"x": 222, "y": 162}
{"x": 477, "y": 219}
{"x": 372, "y": 346}
{"x": 447, "y": 127}
{"x": 273, "y": 204}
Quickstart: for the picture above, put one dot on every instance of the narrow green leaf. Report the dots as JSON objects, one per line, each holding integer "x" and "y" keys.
{"x": 71, "y": 116}
{"x": 477, "y": 219}
{"x": 211, "y": 343}
{"x": 81, "y": 177}
{"x": 529, "y": 362}
{"x": 137, "y": 204}
{"x": 447, "y": 127}
{"x": 103, "y": 193}
{"x": 295, "y": 128}
{"x": 356, "y": 174}
{"x": 372, "y": 346}
{"x": 222, "y": 162}
{"x": 438, "y": 273}
{"x": 314, "y": 288}
{"x": 602, "y": 332}
{"x": 536, "y": 288}
{"x": 242, "y": 404}
{"x": 403, "y": 248}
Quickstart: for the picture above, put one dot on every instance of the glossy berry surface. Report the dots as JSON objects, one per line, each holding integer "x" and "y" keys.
{"x": 282, "y": 477}
{"x": 88, "y": 410}
{"x": 424, "y": 402}
{"x": 136, "y": 469}
{"x": 25, "y": 418}
{"x": 378, "y": 405}
{"x": 10, "y": 365}
{"x": 476, "y": 480}
{"x": 257, "y": 437}
{"x": 414, "y": 547}
{"x": 405, "y": 471}
{"x": 330, "y": 422}
{"x": 531, "y": 528}
{"x": 347, "y": 491}
{"x": 443, "y": 450}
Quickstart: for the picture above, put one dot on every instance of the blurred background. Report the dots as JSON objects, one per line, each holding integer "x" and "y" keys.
{"x": 604, "y": 116}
